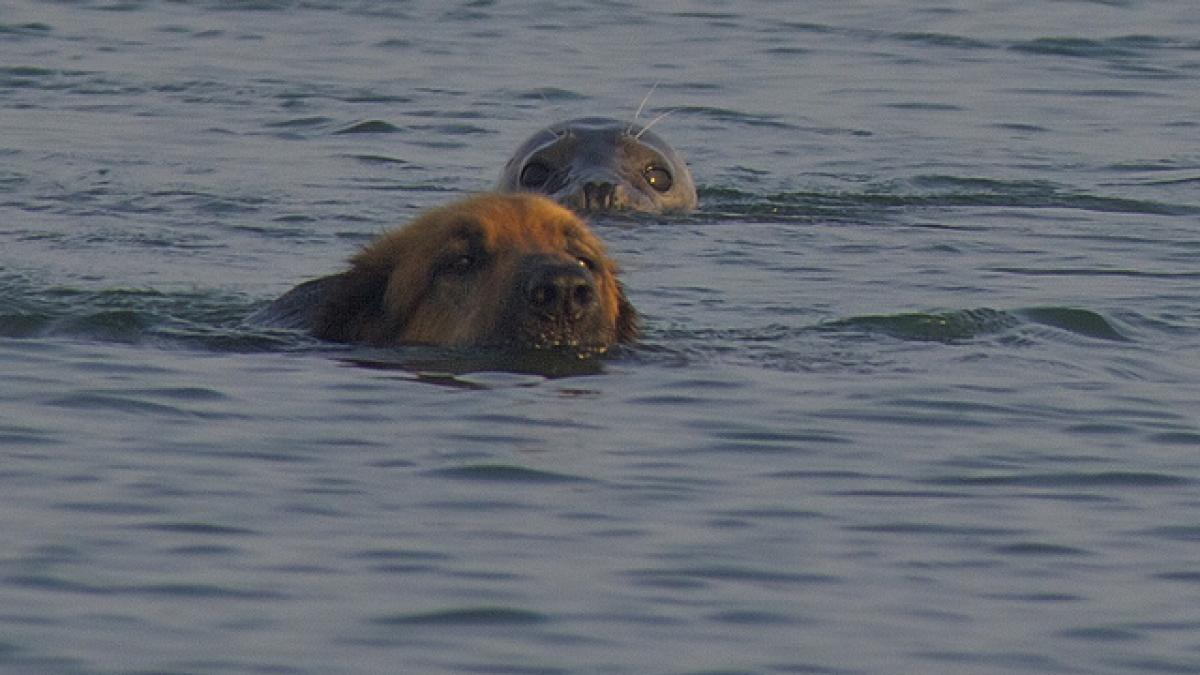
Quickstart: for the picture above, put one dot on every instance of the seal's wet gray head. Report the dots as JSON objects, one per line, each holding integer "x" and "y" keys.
{"x": 601, "y": 164}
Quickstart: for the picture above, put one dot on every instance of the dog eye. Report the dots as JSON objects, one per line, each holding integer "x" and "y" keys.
{"x": 658, "y": 178}
{"x": 535, "y": 175}
{"x": 586, "y": 263}
{"x": 458, "y": 264}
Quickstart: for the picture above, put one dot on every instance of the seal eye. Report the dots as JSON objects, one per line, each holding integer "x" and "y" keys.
{"x": 535, "y": 175}
{"x": 658, "y": 178}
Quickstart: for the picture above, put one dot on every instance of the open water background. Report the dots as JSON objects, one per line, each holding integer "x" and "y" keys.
{"x": 919, "y": 390}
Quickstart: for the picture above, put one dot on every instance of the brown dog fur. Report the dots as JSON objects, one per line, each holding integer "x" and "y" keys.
{"x": 458, "y": 276}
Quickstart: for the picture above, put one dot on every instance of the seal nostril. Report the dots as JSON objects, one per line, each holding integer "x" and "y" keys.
{"x": 598, "y": 194}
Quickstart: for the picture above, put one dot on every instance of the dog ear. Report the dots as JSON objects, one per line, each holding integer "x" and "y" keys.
{"x": 627, "y": 317}
{"x": 352, "y": 309}
{"x": 298, "y": 308}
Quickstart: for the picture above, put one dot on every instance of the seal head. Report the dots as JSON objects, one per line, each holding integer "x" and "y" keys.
{"x": 596, "y": 164}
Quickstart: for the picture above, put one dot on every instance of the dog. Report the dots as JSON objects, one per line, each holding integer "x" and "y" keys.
{"x": 497, "y": 270}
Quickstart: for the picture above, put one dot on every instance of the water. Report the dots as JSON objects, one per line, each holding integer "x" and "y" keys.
{"x": 918, "y": 389}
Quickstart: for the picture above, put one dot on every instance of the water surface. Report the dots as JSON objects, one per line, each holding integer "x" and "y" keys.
{"x": 917, "y": 392}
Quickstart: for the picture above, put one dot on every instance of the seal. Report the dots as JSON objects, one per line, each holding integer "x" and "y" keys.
{"x": 594, "y": 164}
{"x": 510, "y": 271}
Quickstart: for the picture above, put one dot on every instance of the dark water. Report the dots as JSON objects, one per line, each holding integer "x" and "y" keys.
{"x": 918, "y": 392}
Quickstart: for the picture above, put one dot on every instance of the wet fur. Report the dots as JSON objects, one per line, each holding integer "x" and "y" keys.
{"x": 404, "y": 287}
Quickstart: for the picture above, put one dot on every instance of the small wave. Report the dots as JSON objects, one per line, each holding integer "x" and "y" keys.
{"x": 301, "y": 123}
{"x": 446, "y": 114}
{"x": 255, "y": 5}
{"x": 942, "y": 190}
{"x": 451, "y": 129}
{"x": 547, "y": 94}
{"x": 1072, "y": 480}
{"x": 944, "y": 40}
{"x": 969, "y": 324}
{"x": 207, "y": 320}
{"x": 454, "y": 368}
{"x": 106, "y": 326}
{"x": 1123, "y": 47}
{"x": 1134, "y": 55}
{"x": 203, "y": 591}
{"x": 380, "y": 160}
{"x": 922, "y": 191}
{"x": 25, "y": 76}
{"x": 45, "y": 582}
{"x": 194, "y": 528}
{"x": 1040, "y": 549}
{"x": 692, "y": 577}
{"x": 850, "y": 345}
{"x": 942, "y": 327}
{"x": 504, "y": 473}
{"x": 469, "y": 616}
{"x": 370, "y": 127}
{"x": 24, "y": 30}
{"x": 1076, "y": 321}
{"x": 1184, "y": 533}
{"x": 724, "y": 202}
{"x": 117, "y": 403}
{"x": 733, "y": 116}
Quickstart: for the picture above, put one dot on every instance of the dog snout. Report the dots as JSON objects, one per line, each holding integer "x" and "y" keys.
{"x": 560, "y": 289}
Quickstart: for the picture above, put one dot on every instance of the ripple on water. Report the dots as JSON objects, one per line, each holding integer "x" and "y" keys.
{"x": 1122, "y": 47}
{"x": 504, "y": 473}
{"x": 968, "y": 324}
{"x": 729, "y": 437}
{"x": 60, "y": 584}
{"x": 1180, "y": 533}
{"x": 1070, "y": 479}
{"x": 198, "y": 528}
{"x": 924, "y": 192}
{"x": 369, "y": 127}
{"x": 1102, "y": 634}
{"x": 466, "y": 616}
{"x": 118, "y": 402}
{"x": 704, "y": 576}
{"x": 1040, "y": 550}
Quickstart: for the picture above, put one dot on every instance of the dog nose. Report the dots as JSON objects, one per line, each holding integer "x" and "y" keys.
{"x": 561, "y": 290}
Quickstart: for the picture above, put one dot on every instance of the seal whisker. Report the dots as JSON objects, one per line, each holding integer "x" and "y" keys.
{"x": 554, "y": 108}
{"x": 654, "y": 121}
{"x": 642, "y": 106}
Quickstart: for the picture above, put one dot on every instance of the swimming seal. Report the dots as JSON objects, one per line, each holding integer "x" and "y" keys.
{"x": 595, "y": 164}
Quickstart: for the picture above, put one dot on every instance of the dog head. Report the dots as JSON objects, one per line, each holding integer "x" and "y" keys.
{"x": 497, "y": 270}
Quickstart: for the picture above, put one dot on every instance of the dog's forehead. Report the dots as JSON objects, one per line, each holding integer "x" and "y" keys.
{"x": 521, "y": 231}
